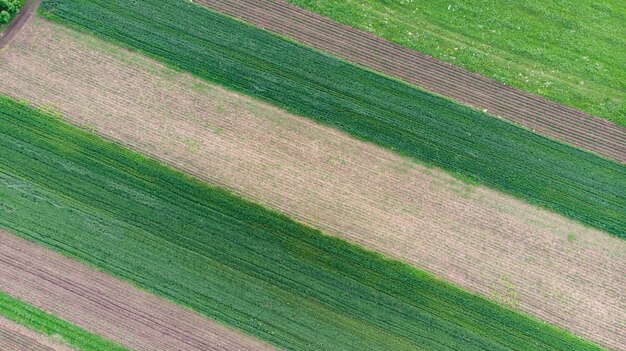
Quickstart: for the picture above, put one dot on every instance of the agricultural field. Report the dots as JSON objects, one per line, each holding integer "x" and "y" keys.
{"x": 530, "y": 111}
{"x": 91, "y": 300}
{"x": 14, "y": 336}
{"x": 46, "y": 324}
{"x": 284, "y": 282}
{"x": 486, "y": 242}
{"x": 414, "y": 123}
{"x": 570, "y": 52}
{"x": 230, "y": 176}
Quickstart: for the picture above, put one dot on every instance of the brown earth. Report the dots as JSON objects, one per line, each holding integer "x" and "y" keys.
{"x": 16, "y": 337}
{"x": 485, "y": 241}
{"x": 107, "y": 306}
{"x": 26, "y": 12}
{"x": 531, "y": 111}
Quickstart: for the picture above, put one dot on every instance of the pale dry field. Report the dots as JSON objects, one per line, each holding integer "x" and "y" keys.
{"x": 489, "y": 243}
{"x": 107, "y": 306}
{"x": 16, "y": 337}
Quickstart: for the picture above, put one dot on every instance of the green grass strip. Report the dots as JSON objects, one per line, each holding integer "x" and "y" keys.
{"x": 45, "y": 323}
{"x": 369, "y": 106}
{"x": 234, "y": 261}
{"x": 572, "y": 52}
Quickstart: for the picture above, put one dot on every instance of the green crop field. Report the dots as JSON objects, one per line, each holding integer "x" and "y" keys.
{"x": 229, "y": 259}
{"x": 369, "y": 106}
{"x": 42, "y": 322}
{"x": 572, "y": 52}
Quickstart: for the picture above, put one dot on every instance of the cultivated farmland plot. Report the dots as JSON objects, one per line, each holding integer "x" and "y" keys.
{"x": 396, "y": 20}
{"x": 486, "y": 242}
{"x": 570, "y": 52}
{"x": 369, "y": 106}
{"x": 369, "y": 160}
{"x": 106, "y": 306}
{"x": 14, "y": 336}
{"x": 44, "y": 328}
{"x": 229, "y": 259}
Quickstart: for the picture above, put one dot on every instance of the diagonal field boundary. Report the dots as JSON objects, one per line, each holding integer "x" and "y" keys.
{"x": 14, "y": 336}
{"x": 108, "y": 306}
{"x": 533, "y": 112}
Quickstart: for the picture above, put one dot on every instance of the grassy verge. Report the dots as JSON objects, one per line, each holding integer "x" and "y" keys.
{"x": 229, "y": 259}
{"x": 45, "y": 323}
{"x": 570, "y": 52}
{"x": 414, "y": 123}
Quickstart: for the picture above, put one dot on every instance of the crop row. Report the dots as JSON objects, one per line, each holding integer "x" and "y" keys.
{"x": 369, "y": 106}
{"x": 229, "y": 259}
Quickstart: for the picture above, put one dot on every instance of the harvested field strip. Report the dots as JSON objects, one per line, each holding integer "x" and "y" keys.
{"x": 568, "y": 52}
{"x": 414, "y": 123}
{"x": 229, "y": 259}
{"x": 485, "y": 241}
{"x": 533, "y": 112}
{"x": 107, "y": 306}
{"x": 40, "y": 321}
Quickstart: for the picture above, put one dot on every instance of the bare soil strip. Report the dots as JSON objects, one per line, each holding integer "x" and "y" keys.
{"x": 16, "y": 337}
{"x": 107, "y": 306}
{"x": 482, "y": 240}
{"x": 18, "y": 22}
{"x": 533, "y": 112}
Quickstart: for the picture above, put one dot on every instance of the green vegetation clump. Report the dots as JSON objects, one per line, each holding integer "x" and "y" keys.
{"x": 45, "y": 323}
{"x": 8, "y": 8}
{"x": 572, "y": 52}
{"x": 367, "y": 105}
{"x": 231, "y": 260}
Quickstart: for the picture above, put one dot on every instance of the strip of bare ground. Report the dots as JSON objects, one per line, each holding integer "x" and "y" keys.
{"x": 26, "y": 12}
{"x": 482, "y": 240}
{"x": 107, "y": 306}
{"x": 531, "y": 111}
{"x": 16, "y": 337}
